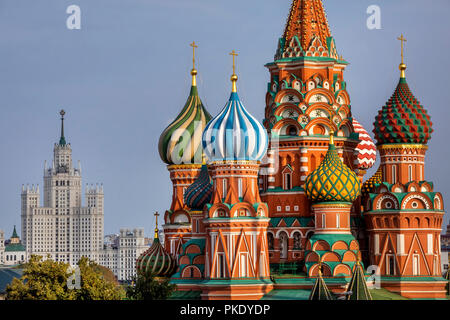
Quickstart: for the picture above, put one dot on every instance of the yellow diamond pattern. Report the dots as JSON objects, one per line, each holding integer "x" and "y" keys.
{"x": 332, "y": 181}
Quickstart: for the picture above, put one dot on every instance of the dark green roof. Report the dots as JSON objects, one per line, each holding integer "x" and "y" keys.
{"x": 13, "y": 247}
{"x": 358, "y": 286}
{"x": 289, "y": 221}
{"x": 14, "y": 235}
{"x": 186, "y": 295}
{"x": 332, "y": 238}
{"x": 320, "y": 290}
{"x": 7, "y": 275}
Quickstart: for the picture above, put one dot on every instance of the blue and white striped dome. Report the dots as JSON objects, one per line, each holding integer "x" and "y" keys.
{"x": 234, "y": 134}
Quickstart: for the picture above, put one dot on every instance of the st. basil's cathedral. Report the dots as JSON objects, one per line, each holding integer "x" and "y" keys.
{"x": 282, "y": 204}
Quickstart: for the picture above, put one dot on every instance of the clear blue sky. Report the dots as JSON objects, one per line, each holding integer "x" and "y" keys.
{"x": 125, "y": 75}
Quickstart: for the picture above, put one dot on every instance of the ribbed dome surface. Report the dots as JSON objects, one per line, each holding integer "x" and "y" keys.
{"x": 156, "y": 261}
{"x": 234, "y": 134}
{"x": 367, "y": 151}
{"x": 332, "y": 181}
{"x": 181, "y": 141}
{"x": 403, "y": 119}
{"x": 200, "y": 192}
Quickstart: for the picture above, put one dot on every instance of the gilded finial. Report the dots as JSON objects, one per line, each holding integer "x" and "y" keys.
{"x": 332, "y": 137}
{"x": 193, "y": 71}
{"x": 402, "y": 66}
{"x": 234, "y": 77}
{"x": 156, "y": 225}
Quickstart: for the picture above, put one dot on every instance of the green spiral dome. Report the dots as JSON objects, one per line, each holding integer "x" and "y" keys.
{"x": 181, "y": 141}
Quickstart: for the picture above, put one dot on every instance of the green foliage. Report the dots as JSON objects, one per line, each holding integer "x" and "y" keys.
{"x": 47, "y": 280}
{"x": 93, "y": 284}
{"x": 150, "y": 288}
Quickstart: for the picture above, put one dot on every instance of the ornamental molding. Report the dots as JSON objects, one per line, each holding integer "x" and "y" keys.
{"x": 384, "y": 197}
{"x": 402, "y": 146}
{"x": 416, "y": 196}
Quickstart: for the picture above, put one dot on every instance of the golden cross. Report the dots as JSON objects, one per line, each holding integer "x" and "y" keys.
{"x": 194, "y": 46}
{"x": 402, "y": 39}
{"x": 234, "y": 54}
{"x": 156, "y": 216}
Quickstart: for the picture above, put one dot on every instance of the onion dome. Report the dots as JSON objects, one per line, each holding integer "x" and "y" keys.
{"x": 369, "y": 185}
{"x": 403, "y": 119}
{"x": 367, "y": 151}
{"x": 332, "y": 181}
{"x": 155, "y": 260}
{"x": 234, "y": 134}
{"x": 181, "y": 141}
{"x": 200, "y": 192}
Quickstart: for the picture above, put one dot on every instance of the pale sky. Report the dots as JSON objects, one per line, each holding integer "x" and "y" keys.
{"x": 125, "y": 75}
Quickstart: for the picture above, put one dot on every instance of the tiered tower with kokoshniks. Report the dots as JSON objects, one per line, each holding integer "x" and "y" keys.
{"x": 403, "y": 213}
{"x": 180, "y": 147}
{"x": 307, "y": 98}
{"x": 235, "y": 220}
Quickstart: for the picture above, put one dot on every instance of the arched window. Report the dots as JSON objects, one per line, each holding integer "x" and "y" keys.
{"x": 240, "y": 187}
{"x": 284, "y": 245}
{"x": 224, "y": 187}
{"x": 410, "y": 173}
{"x": 287, "y": 181}
{"x": 292, "y": 131}
{"x": 270, "y": 241}
{"x": 394, "y": 174}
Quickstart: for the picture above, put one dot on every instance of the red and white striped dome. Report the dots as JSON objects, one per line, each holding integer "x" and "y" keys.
{"x": 367, "y": 151}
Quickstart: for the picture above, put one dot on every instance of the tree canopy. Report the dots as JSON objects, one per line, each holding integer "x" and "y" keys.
{"x": 148, "y": 287}
{"x": 50, "y": 280}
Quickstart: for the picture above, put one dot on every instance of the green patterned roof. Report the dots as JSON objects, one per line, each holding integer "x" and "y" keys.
{"x": 181, "y": 141}
{"x": 358, "y": 285}
{"x": 14, "y": 235}
{"x": 156, "y": 261}
{"x": 333, "y": 181}
{"x": 14, "y": 247}
{"x": 320, "y": 290}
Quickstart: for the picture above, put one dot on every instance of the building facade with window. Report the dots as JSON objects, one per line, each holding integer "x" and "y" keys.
{"x": 121, "y": 251}
{"x": 62, "y": 227}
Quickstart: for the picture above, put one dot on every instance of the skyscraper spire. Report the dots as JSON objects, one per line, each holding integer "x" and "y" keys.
{"x": 62, "y": 140}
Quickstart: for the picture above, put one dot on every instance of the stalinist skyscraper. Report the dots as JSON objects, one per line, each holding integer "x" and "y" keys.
{"x": 62, "y": 227}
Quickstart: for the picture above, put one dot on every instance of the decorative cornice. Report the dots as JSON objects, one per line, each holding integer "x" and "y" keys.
{"x": 402, "y": 146}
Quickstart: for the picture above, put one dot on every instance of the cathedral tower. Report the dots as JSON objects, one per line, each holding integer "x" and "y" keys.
{"x": 403, "y": 212}
{"x": 180, "y": 147}
{"x": 306, "y": 99}
{"x": 236, "y": 220}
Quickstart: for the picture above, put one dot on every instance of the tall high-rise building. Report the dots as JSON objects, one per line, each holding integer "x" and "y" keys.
{"x": 63, "y": 228}
{"x": 121, "y": 252}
